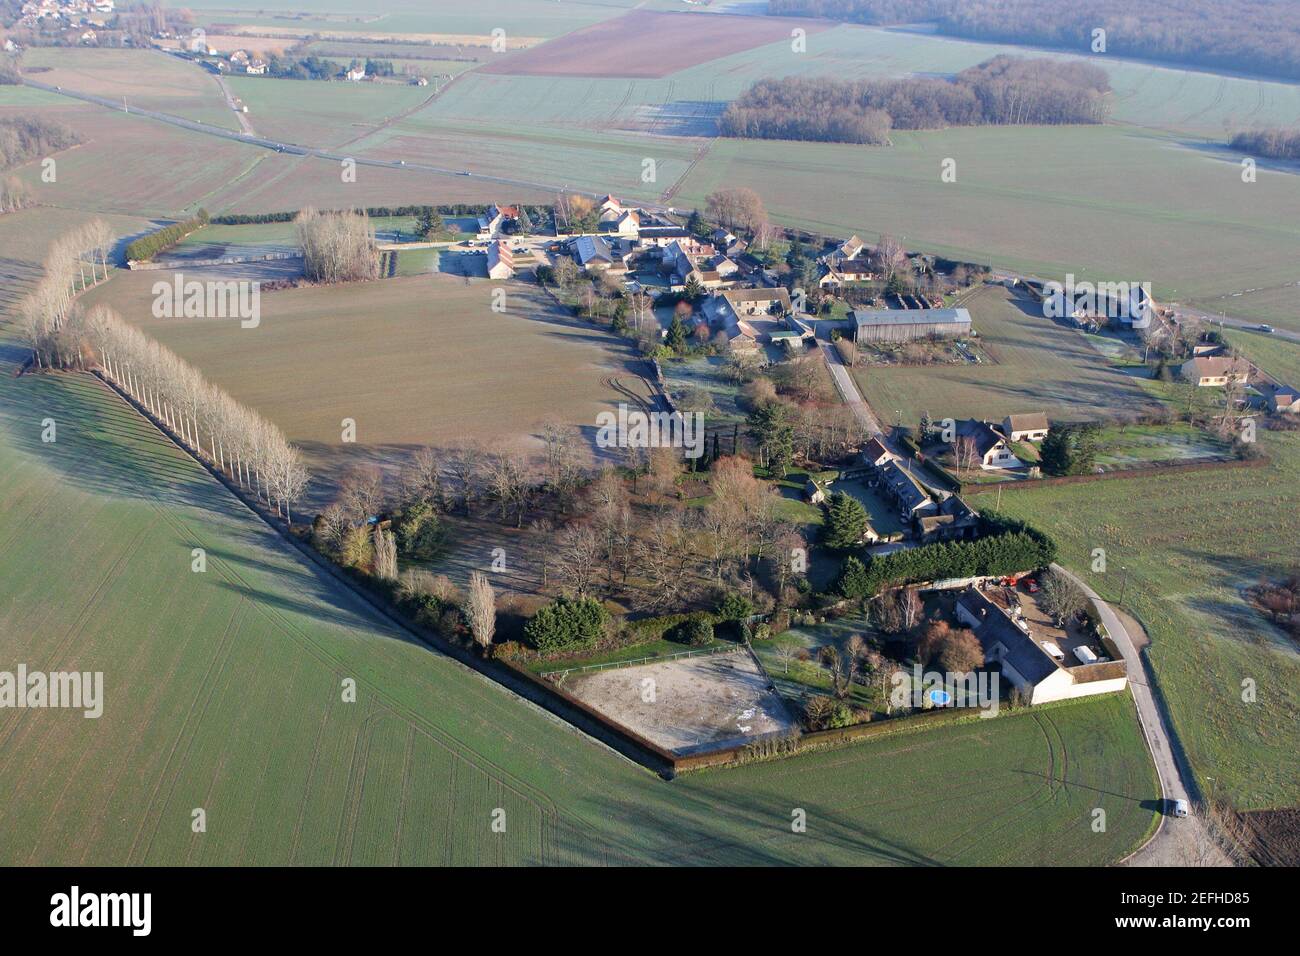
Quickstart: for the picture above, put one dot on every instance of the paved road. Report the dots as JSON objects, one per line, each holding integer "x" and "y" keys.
{"x": 849, "y": 391}
{"x": 1176, "y": 842}
{"x": 240, "y": 115}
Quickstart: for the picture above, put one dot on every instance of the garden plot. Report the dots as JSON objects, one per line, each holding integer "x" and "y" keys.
{"x": 698, "y": 703}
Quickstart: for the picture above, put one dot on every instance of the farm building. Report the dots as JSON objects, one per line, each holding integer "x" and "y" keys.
{"x": 1214, "y": 370}
{"x": 902, "y": 325}
{"x": 1038, "y": 670}
{"x": 735, "y": 303}
{"x": 1031, "y": 427}
{"x": 897, "y": 482}
{"x": 501, "y": 262}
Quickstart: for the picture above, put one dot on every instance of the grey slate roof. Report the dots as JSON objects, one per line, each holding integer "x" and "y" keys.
{"x": 1022, "y": 651}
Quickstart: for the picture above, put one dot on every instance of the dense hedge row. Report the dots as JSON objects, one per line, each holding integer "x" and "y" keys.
{"x": 381, "y": 212}
{"x": 146, "y": 247}
{"x": 1005, "y": 547}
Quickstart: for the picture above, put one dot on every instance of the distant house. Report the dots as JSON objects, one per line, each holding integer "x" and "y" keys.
{"x": 849, "y": 249}
{"x": 1025, "y": 663}
{"x": 661, "y": 236}
{"x": 901, "y": 325}
{"x": 741, "y": 302}
{"x": 988, "y": 445}
{"x": 610, "y": 208}
{"x": 256, "y": 66}
{"x": 1031, "y": 427}
{"x": 355, "y": 74}
{"x": 420, "y": 81}
{"x": 1280, "y": 398}
{"x": 239, "y": 59}
{"x": 593, "y": 252}
{"x": 875, "y": 454}
{"x": 491, "y": 222}
{"x": 89, "y": 38}
{"x": 955, "y": 520}
{"x": 1214, "y": 370}
{"x": 839, "y": 274}
{"x": 501, "y": 263}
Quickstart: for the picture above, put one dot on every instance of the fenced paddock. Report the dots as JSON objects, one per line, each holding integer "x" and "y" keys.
{"x": 688, "y": 704}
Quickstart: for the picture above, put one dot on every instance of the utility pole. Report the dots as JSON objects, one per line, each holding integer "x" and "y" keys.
{"x": 1123, "y": 588}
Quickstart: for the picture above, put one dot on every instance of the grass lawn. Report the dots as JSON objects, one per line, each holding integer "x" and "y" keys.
{"x": 1038, "y": 365}
{"x": 1132, "y": 446}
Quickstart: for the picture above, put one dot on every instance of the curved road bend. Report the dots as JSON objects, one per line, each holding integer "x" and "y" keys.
{"x": 1166, "y": 847}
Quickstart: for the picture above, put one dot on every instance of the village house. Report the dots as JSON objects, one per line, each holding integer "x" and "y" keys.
{"x": 1031, "y": 427}
{"x": 355, "y": 73}
{"x": 1281, "y": 398}
{"x": 1214, "y": 370}
{"x": 954, "y": 520}
{"x": 847, "y": 272}
{"x": 1039, "y": 670}
{"x": 492, "y": 221}
{"x": 978, "y": 441}
{"x": 902, "y": 325}
{"x": 895, "y": 479}
{"x": 501, "y": 262}
{"x": 875, "y": 454}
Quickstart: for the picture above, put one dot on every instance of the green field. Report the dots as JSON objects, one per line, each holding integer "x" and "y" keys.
{"x": 222, "y": 692}
{"x": 1190, "y": 543}
{"x": 1132, "y": 446}
{"x": 144, "y": 78}
{"x": 1038, "y": 365}
{"x": 319, "y": 113}
{"x": 418, "y": 360}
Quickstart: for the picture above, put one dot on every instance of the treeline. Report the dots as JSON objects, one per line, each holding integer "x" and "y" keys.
{"x": 24, "y": 138}
{"x": 146, "y": 247}
{"x": 234, "y": 439}
{"x": 75, "y": 262}
{"x": 1272, "y": 143}
{"x": 536, "y": 213}
{"x": 1002, "y": 91}
{"x": 337, "y": 246}
{"x": 1006, "y": 547}
{"x": 1253, "y": 36}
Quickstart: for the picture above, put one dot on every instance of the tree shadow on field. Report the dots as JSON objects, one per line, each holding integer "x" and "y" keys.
{"x": 695, "y": 821}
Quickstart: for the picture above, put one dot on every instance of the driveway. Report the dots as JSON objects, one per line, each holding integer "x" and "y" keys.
{"x": 849, "y": 391}
{"x": 1184, "y": 842}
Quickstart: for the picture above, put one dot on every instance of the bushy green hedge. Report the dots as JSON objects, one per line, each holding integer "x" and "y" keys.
{"x": 146, "y": 247}
{"x": 1006, "y": 547}
{"x": 567, "y": 624}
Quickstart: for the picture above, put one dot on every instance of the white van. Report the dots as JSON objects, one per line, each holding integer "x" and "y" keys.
{"x": 1085, "y": 655}
{"x": 1181, "y": 809}
{"x": 1053, "y": 651}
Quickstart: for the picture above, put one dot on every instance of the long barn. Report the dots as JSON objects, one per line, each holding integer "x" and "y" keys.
{"x": 901, "y": 325}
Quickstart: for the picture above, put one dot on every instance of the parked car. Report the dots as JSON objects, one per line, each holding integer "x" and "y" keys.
{"x": 1180, "y": 808}
{"x": 1264, "y": 327}
{"x": 1031, "y": 585}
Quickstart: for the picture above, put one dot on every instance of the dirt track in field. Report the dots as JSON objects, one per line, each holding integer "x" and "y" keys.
{"x": 648, "y": 45}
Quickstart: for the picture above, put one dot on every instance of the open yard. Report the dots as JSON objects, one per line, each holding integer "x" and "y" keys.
{"x": 420, "y": 360}
{"x": 1038, "y": 365}
{"x": 688, "y": 705}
